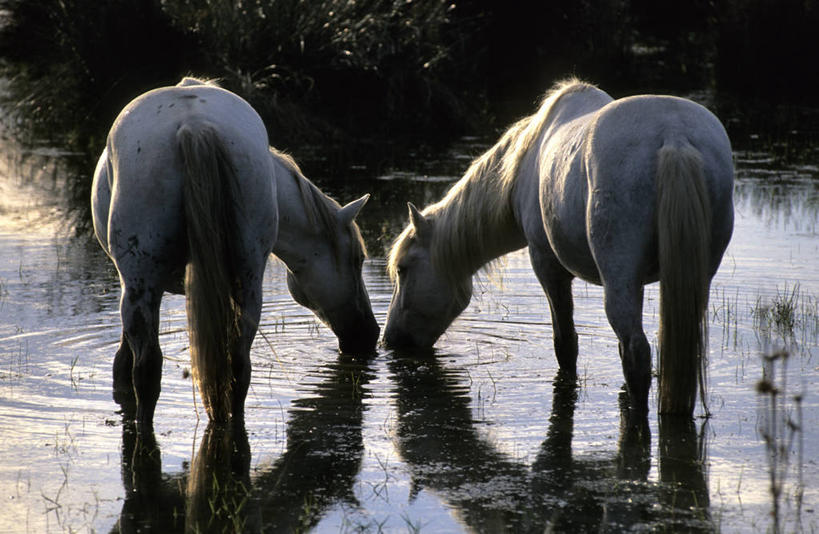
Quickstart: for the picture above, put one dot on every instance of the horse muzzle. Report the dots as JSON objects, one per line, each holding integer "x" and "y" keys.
{"x": 356, "y": 336}
{"x": 400, "y": 338}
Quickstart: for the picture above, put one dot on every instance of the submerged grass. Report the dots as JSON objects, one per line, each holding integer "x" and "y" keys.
{"x": 780, "y": 312}
{"x": 791, "y": 315}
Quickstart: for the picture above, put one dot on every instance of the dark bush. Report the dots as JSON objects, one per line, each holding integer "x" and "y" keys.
{"x": 354, "y": 82}
{"x": 768, "y": 48}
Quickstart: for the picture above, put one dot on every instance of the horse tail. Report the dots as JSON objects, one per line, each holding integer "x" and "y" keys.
{"x": 684, "y": 238}
{"x": 213, "y": 314}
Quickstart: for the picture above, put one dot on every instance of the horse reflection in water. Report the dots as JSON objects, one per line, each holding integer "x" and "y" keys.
{"x": 188, "y": 197}
{"x": 325, "y": 447}
{"x": 620, "y": 193}
{"x": 152, "y": 498}
{"x": 438, "y": 438}
{"x": 213, "y": 497}
{"x": 559, "y": 492}
{"x": 316, "y": 471}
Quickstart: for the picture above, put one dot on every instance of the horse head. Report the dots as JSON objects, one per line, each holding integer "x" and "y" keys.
{"x": 325, "y": 275}
{"x": 426, "y": 298}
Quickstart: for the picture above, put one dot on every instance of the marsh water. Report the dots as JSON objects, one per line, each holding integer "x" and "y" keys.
{"x": 481, "y": 435}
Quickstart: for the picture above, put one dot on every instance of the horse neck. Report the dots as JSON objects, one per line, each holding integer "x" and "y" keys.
{"x": 295, "y": 225}
{"x": 475, "y": 223}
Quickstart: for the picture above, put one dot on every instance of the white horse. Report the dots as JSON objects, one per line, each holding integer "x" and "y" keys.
{"x": 189, "y": 198}
{"x": 617, "y": 192}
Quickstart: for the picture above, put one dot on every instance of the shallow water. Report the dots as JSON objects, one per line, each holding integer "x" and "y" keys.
{"x": 484, "y": 435}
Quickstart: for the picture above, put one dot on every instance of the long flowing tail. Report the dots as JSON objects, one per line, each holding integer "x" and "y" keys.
{"x": 213, "y": 314}
{"x": 684, "y": 234}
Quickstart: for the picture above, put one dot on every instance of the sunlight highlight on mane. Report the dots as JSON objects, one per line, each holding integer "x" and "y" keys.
{"x": 188, "y": 81}
{"x": 524, "y": 133}
{"x": 480, "y": 203}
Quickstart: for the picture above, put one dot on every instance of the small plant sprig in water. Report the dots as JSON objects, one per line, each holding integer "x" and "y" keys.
{"x": 780, "y": 314}
{"x": 780, "y": 427}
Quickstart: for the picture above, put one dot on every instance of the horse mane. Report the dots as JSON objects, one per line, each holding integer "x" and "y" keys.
{"x": 188, "y": 81}
{"x": 320, "y": 208}
{"x": 479, "y": 204}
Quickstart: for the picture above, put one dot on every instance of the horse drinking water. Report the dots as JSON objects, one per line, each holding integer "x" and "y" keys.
{"x": 189, "y": 198}
{"x": 617, "y": 192}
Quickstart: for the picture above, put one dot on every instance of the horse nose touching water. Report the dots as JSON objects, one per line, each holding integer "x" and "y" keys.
{"x": 188, "y": 197}
{"x": 620, "y": 193}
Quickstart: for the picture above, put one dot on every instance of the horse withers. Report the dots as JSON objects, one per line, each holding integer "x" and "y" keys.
{"x": 620, "y": 193}
{"x": 187, "y": 199}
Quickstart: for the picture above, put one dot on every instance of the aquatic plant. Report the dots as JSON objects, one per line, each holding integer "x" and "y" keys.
{"x": 779, "y": 313}
{"x": 780, "y": 427}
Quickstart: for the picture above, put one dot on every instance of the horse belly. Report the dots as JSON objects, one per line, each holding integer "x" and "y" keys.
{"x": 570, "y": 245}
{"x": 563, "y": 192}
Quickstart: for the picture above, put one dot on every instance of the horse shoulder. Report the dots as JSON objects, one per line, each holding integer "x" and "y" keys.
{"x": 563, "y": 187}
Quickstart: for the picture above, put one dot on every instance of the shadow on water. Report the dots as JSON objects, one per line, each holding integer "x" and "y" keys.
{"x": 324, "y": 450}
{"x": 438, "y": 436}
{"x": 212, "y": 496}
{"x": 152, "y": 498}
{"x": 492, "y": 492}
{"x": 220, "y": 493}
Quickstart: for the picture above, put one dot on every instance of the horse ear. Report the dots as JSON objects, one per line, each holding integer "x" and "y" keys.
{"x": 348, "y": 213}
{"x": 419, "y": 222}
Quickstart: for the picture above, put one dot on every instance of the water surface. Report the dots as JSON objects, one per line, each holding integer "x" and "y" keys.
{"x": 483, "y": 435}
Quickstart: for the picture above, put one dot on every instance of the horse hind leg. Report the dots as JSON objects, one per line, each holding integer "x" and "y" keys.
{"x": 139, "y": 310}
{"x": 624, "y": 310}
{"x": 123, "y": 376}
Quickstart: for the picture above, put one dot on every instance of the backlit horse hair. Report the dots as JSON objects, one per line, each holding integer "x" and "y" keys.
{"x": 684, "y": 230}
{"x": 464, "y": 221}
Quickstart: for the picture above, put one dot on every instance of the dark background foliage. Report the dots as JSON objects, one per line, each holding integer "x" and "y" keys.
{"x": 360, "y": 81}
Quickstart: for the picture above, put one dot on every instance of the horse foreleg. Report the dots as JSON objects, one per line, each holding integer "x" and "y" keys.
{"x": 556, "y": 282}
{"x": 140, "y": 324}
{"x": 624, "y": 310}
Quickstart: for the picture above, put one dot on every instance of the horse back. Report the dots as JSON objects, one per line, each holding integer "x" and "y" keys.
{"x": 143, "y": 137}
{"x": 625, "y": 136}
